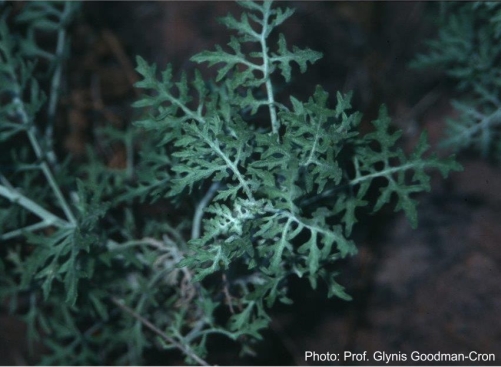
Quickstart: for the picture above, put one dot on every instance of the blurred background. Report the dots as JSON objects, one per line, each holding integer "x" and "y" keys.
{"x": 432, "y": 289}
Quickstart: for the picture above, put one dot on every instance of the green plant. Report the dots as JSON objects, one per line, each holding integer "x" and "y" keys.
{"x": 256, "y": 201}
{"x": 467, "y": 47}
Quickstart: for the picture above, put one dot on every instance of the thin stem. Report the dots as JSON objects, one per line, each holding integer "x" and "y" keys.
{"x": 32, "y": 135}
{"x": 266, "y": 71}
{"x": 16, "y": 197}
{"x": 31, "y": 228}
{"x": 232, "y": 166}
{"x": 50, "y": 178}
{"x": 56, "y": 81}
{"x": 314, "y": 147}
{"x": 185, "y": 349}
{"x": 175, "y": 101}
{"x": 129, "y": 146}
{"x": 385, "y": 173}
{"x": 199, "y": 212}
{"x": 486, "y": 123}
{"x": 388, "y": 172}
{"x": 196, "y": 331}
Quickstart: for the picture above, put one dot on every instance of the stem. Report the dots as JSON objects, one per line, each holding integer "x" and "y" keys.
{"x": 232, "y": 166}
{"x": 185, "y": 349}
{"x": 196, "y": 331}
{"x": 16, "y": 197}
{"x": 31, "y": 228}
{"x": 48, "y": 175}
{"x": 129, "y": 146}
{"x": 358, "y": 179}
{"x": 32, "y": 135}
{"x": 165, "y": 91}
{"x": 266, "y": 71}
{"x": 314, "y": 147}
{"x": 486, "y": 123}
{"x": 32, "y": 132}
{"x": 385, "y": 173}
{"x": 199, "y": 212}
{"x": 56, "y": 80}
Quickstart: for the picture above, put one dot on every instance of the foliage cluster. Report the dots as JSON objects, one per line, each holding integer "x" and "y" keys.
{"x": 257, "y": 191}
{"x": 468, "y": 49}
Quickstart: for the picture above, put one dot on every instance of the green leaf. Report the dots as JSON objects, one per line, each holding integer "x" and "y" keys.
{"x": 284, "y": 57}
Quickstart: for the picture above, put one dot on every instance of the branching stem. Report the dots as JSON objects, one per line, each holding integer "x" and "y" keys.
{"x": 185, "y": 349}
{"x": 275, "y": 125}
{"x": 16, "y": 197}
{"x": 32, "y": 136}
{"x": 56, "y": 81}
